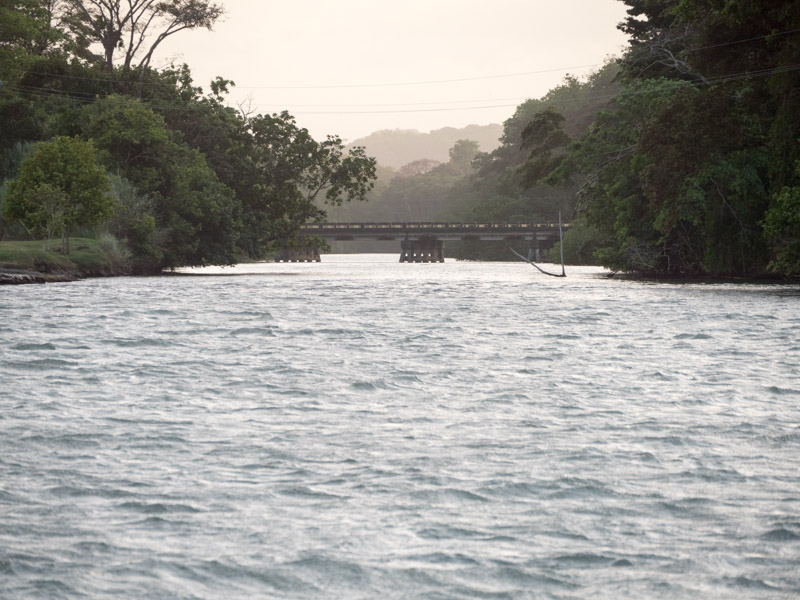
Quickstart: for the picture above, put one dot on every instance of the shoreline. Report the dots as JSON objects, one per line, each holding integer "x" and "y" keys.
{"x": 19, "y": 276}
{"x": 26, "y": 261}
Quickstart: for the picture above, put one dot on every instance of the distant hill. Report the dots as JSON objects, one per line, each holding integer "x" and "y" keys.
{"x": 397, "y": 147}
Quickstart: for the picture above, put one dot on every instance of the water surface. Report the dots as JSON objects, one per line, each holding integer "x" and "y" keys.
{"x": 362, "y": 428}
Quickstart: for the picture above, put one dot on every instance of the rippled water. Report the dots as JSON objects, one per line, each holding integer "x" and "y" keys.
{"x": 362, "y": 428}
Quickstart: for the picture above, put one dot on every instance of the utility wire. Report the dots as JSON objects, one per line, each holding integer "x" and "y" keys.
{"x": 410, "y": 83}
{"x": 336, "y": 86}
{"x": 430, "y": 82}
{"x": 88, "y": 98}
{"x": 752, "y": 39}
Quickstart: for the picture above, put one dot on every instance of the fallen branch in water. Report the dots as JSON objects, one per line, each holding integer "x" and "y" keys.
{"x": 537, "y": 267}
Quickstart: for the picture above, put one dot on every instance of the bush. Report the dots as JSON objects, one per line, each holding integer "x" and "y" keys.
{"x": 117, "y": 252}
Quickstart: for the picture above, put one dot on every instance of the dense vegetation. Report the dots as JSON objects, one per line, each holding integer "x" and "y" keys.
{"x": 99, "y": 143}
{"x": 495, "y": 185}
{"x": 682, "y": 158}
{"x": 692, "y": 168}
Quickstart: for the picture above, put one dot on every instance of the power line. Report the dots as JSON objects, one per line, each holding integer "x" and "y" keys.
{"x": 409, "y": 83}
{"x": 518, "y": 99}
{"x": 417, "y": 110}
{"x": 87, "y": 98}
{"x": 752, "y": 39}
{"x": 336, "y": 86}
{"x": 426, "y": 82}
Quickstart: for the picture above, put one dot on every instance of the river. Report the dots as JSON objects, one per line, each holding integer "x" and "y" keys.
{"x": 362, "y": 428}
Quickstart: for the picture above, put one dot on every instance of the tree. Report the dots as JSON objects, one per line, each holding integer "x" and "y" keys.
{"x": 24, "y": 33}
{"x": 504, "y": 187}
{"x": 196, "y": 216}
{"x": 611, "y": 198}
{"x": 60, "y": 186}
{"x": 462, "y": 154}
{"x": 137, "y": 27}
{"x": 426, "y": 190}
{"x": 545, "y": 140}
{"x": 295, "y": 175}
{"x": 418, "y": 167}
{"x": 782, "y": 228}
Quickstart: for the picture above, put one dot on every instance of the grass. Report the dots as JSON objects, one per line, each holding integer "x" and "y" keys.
{"x": 87, "y": 258}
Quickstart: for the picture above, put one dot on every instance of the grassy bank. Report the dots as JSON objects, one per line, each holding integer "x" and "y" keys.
{"x": 87, "y": 258}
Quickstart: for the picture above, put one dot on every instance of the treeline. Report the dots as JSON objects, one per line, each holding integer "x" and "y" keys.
{"x": 495, "y": 185}
{"x": 692, "y": 169}
{"x": 101, "y": 142}
{"x": 397, "y": 147}
{"x": 681, "y": 158}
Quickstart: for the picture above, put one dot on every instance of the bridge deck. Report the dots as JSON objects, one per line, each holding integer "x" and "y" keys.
{"x": 439, "y": 230}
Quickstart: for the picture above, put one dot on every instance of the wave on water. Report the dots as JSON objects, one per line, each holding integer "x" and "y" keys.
{"x": 158, "y": 508}
{"x": 371, "y": 429}
{"x": 33, "y": 346}
{"x": 40, "y": 364}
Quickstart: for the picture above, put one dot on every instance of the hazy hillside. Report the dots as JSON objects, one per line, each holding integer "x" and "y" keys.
{"x": 397, "y": 147}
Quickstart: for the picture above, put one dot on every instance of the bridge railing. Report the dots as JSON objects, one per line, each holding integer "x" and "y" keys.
{"x": 433, "y": 225}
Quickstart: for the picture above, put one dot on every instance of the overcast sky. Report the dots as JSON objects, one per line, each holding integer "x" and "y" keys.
{"x": 351, "y": 67}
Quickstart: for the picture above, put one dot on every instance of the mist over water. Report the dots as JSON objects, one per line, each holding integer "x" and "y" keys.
{"x": 362, "y": 428}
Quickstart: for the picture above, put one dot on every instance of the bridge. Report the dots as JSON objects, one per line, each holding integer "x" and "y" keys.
{"x": 424, "y": 242}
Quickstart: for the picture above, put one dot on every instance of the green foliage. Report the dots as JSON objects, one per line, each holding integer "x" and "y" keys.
{"x": 508, "y": 185}
{"x": 11, "y": 159}
{"x": 88, "y": 258}
{"x": 291, "y": 172}
{"x": 429, "y": 191}
{"x": 125, "y": 29}
{"x": 135, "y": 226}
{"x": 782, "y": 229}
{"x": 196, "y": 213}
{"x": 25, "y": 33}
{"x": 196, "y": 182}
{"x": 677, "y": 172}
{"x": 501, "y": 185}
{"x": 581, "y": 244}
{"x": 59, "y": 186}
{"x": 375, "y": 208}
{"x": 117, "y": 252}
{"x": 545, "y": 139}
{"x": 462, "y": 154}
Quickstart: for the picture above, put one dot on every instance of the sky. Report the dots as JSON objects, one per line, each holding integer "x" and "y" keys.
{"x": 352, "y": 67}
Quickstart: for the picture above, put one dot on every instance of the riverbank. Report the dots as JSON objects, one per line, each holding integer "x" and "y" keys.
{"x": 23, "y": 262}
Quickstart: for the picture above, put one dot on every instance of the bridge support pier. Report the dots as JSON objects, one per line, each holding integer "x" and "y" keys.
{"x": 533, "y": 250}
{"x": 306, "y": 254}
{"x": 423, "y": 250}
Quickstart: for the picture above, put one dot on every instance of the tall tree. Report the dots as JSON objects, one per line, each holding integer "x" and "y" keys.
{"x": 135, "y": 28}
{"x": 681, "y": 169}
{"x": 295, "y": 175}
{"x": 196, "y": 216}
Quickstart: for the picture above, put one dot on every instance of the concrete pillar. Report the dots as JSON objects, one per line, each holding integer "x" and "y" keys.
{"x": 535, "y": 248}
{"x": 405, "y": 251}
{"x": 416, "y": 252}
{"x": 424, "y": 250}
{"x": 438, "y": 255}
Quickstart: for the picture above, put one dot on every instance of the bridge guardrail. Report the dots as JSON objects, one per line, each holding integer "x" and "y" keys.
{"x": 430, "y": 225}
